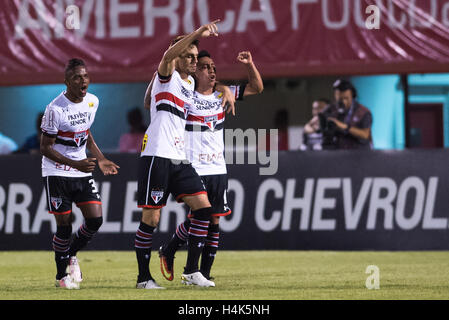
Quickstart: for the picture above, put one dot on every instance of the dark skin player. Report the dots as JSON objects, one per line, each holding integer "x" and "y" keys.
{"x": 77, "y": 82}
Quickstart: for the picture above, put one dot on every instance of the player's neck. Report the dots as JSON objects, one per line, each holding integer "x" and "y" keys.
{"x": 73, "y": 98}
{"x": 184, "y": 76}
{"x": 205, "y": 90}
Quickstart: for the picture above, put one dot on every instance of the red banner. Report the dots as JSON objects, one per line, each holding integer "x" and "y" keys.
{"x": 123, "y": 40}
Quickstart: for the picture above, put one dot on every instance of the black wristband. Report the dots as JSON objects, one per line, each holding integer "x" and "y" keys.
{"x": 347, "y": 129}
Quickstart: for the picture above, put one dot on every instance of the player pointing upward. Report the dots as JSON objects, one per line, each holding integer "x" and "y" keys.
{"x": 205, "y": 149}
{"x": 163, "y": 168}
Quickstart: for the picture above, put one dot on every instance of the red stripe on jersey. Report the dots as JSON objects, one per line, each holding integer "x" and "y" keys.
{"x": 170, "y": 97}
{"x": 68, "y": 134}
{"x": 202, "y": 119}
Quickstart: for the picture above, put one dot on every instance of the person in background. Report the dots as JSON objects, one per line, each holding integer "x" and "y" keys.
{"x": 131, "y": 141}
{"x": 346, "y": 123}
{"x": 312, "y": 136}
{"x": 32, "y": 143}
{"x": 7, "y": 145}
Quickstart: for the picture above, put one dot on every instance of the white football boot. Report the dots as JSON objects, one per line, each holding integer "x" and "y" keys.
{"x": 74, "y": 269}
{"x": 197, "y": 279}
{"x": 67, "y": 282}
{"x": 150, "y": 284}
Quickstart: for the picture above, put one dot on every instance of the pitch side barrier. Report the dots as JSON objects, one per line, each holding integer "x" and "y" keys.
{"x": 339, "y": 200}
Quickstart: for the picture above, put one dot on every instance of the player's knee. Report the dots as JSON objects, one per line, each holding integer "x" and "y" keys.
{"x": 202, "y": 214}
{"x": 151, "y": 216}
{"x": 94, "y": 224}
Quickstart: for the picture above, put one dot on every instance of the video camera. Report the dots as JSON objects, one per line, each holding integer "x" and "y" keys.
{"x": 329, "y": 128}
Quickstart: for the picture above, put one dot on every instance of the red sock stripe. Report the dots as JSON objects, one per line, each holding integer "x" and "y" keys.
{"x": 60, "y": 241}
{"x": 197, "y": 232}
{"x": 142, "y": 245}
{"x": 211, "y": 243}
{"x": 60, "y": 245}
{"x": 200, "y": 223}
{"x": 214, "y": 235}
{"x": 181, "y": 232}
{"x": 144, "y": 235}
{"x": 86, "y": 232}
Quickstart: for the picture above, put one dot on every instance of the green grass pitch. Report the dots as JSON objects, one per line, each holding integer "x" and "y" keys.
{"x": 239, "y": 275}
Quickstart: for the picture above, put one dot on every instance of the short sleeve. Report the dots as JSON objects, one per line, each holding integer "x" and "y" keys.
{"x": 50, "y": 121}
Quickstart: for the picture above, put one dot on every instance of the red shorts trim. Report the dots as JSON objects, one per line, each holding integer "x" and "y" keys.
{"x": 214, "y": 214}
{"x": 227, "y": 213}
{"x": 88, "y": 202}
{"x": 60, "y": 213}
{"x": 150, "y": 207}
{"x": 179, "y": 198}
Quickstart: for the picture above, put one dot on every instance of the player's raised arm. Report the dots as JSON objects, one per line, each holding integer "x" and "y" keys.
{"x": 167, "y": 64}
{"x": 255, "y": 83}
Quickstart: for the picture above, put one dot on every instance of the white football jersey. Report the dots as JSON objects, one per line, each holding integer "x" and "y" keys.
{"x": 171, "y": 98}
{"x": 204, "y": 132}
{"x": 70, "y": 123}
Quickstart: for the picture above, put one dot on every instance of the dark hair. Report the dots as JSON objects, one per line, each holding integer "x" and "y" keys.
{"x": 344, "y": 85}
{"x": 324, "y": 100}
{"x": 134, "y": 116}
{"x": 203, "y": 53}
{"x": 72, "y": 64}
{"x": 195, "y": 43}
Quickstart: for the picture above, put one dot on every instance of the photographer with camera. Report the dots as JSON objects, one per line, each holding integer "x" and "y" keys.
{"x": 346, "y": 124}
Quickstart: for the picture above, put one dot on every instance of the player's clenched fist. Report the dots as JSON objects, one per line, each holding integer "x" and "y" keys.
{"x": 245, "y": 57}
{"x": 86, "y": 165}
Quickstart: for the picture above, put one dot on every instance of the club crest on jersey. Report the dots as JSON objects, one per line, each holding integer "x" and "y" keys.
{"x": 79, "y": 137}
{"x": 157, "y": 195}
{"x": 211, "y": 121}
{"x": 56, "y": 202}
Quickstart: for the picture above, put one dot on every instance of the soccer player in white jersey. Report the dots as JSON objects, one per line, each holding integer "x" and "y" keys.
{"x": 67, "y": 172}
{"x": 163, "y": 167}
{"x": 205, "y": 149}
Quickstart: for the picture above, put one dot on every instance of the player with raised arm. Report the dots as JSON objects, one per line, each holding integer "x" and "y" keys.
{"x": 205, "y": 149}
{"x": 67, "y": 172}
{"x": 163, "y": 167}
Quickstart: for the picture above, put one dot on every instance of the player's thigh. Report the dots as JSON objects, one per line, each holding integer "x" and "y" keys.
{"x": 88, "y": 198}
{"x": 63, "y": 219}
{"x": 196, "y": 202}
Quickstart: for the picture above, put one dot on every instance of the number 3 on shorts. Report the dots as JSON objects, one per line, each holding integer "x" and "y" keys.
{"x": 93, "y": 185}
